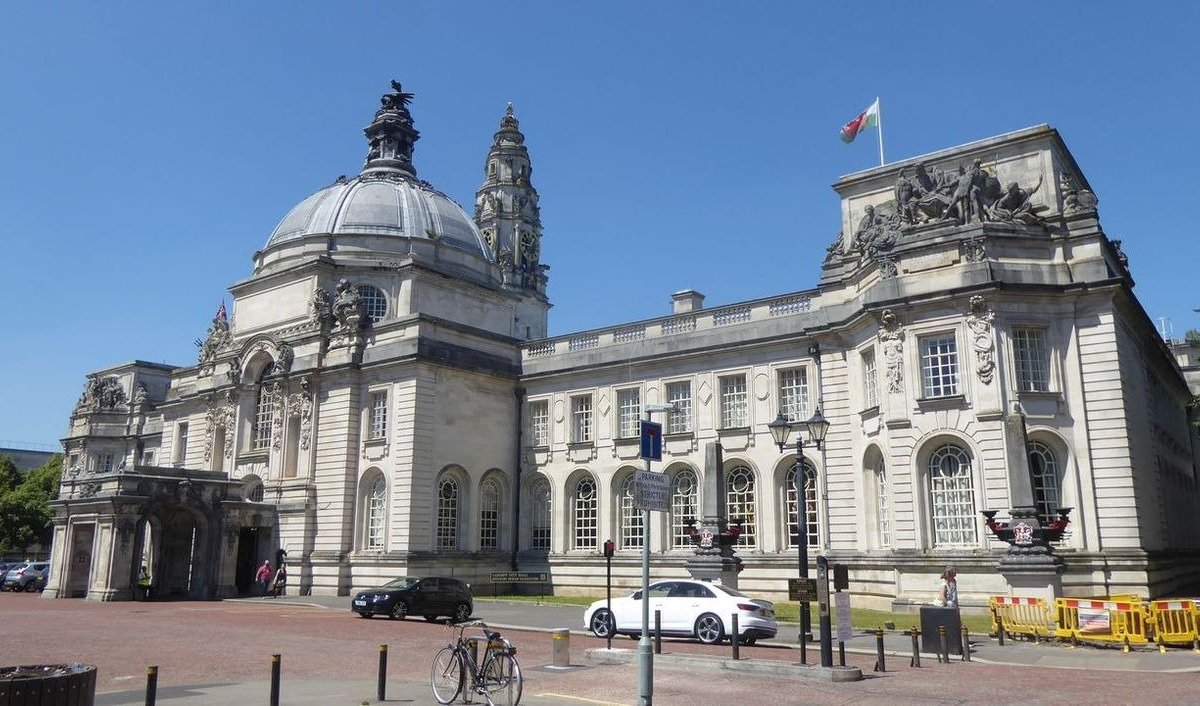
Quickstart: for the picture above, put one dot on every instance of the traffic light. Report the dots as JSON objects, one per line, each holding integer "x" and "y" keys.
{"x": 610, "y": 548}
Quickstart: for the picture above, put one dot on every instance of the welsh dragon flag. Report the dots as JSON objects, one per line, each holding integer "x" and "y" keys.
{"x": 867, "y": 118}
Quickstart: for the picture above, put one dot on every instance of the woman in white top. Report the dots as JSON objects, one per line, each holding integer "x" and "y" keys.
{"x": 948, "y": 593}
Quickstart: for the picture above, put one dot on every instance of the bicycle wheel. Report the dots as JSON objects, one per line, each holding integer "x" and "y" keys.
{"x": 503, "y": 681}
{"x": 446, "y": 676}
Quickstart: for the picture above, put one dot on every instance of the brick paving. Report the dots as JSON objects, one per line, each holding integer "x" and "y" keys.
{"x": 230, "y": 643}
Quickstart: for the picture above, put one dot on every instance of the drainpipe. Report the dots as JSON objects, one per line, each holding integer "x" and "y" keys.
{"x": 519, "y": 393}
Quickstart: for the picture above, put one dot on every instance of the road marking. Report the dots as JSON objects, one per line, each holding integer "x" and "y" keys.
{"x": 128, "y": 677}
{"x": 552, "y": 695}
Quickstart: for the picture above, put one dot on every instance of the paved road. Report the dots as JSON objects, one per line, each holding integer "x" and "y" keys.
{"x": 218, "y": 654}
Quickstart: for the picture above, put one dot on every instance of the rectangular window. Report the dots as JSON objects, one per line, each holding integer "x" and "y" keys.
{"x": 733, "y": 402}
{"x": 147, "y": 458}
{"x": 939, "y": 366}
{"x": 793, "y": 394}
{"x": 379, "y": 414}
{"x": 679, "y": 394}
{"x": 1033, "y": 361}
{"x": 581, "y": 419}
{"x": 181, "y": 442}
{"x": 870, "y": 379}
{"x": 629, "y": 411}
{"x": 539, "y": 422}
{"x": 106, "y": 463}
{"x": 264, "y": 417}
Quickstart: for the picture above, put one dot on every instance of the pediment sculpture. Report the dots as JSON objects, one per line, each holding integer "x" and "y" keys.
{"x": 971, "y": 194}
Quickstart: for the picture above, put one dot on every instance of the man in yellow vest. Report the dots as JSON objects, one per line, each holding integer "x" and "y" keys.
{"x": 143, "y": 583}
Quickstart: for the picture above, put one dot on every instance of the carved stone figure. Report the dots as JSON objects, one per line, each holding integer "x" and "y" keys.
{"x": 876, "y": 233}
{"x": 283, "y": 360}
{"x": 216, "y": 338}
{"x": 920, "y": 197}
{"x": 347, "y": 306}
{"x": 834, "y": 249}
{"x": 974, "y": 250}
{"x": 891, "y": 339}
{"x": 277, "y": 418}
{"x": 979, "y": 321}
{"x": 320, "y": 308}
{"x": 300, "y": 404}
{"x": 105, "y": 393}
{"x": 1121, "y": 256}
{"x": 967, "y": 199}
{"x": 139, "y": 394}
{"x": 1075, "y": 201}
{"x": 1014, "y": 206}
{"x": 887, "y": 267}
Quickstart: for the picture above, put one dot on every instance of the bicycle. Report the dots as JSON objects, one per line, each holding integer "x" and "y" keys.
{"x": 496, "y": 674}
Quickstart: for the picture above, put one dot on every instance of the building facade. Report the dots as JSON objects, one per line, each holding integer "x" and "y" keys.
{"x": 971, "y": 317}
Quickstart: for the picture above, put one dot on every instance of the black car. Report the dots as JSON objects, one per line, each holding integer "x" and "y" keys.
{"x": 430, "y": 598}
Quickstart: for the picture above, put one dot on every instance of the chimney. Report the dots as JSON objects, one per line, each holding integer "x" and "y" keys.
{"x": 687, "y": 301}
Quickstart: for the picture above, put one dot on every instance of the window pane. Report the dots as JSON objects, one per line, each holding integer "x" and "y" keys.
{"x": 939, "y": 366}
{"x": 629, "y": 409}
{"x": 585, "y": 514}
{"x": 883, "y": 517}
{"x": 539, "y": 413}
{"x": 374, "y": 302}
{"x": 581, "y": 417}
{"x": 376, "y": 514}
{"x": 793, "y": 394}
{"x": 631, "y": 517}
{"x": 264, "y": 414}
{"x": 870, "y": 380}
{"x": 683, "y": 506}
{"x": 540, "y": 520}
{"x": 1047, "y": 488}
{"x": 447, "y": 514}
{"x": 811, "y": 516}
{"x": 952, "y": 498}
{"x": 741, "y": 502}
{"x": 733, "y": 402}
{"x": 1033, "y": 362}
{"x": 680, "y": 395}
{"x": 489, "y": 514}
{"x": 379, "y": 414}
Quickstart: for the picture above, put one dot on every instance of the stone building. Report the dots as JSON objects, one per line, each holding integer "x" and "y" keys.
{"x": 972, "y": 324}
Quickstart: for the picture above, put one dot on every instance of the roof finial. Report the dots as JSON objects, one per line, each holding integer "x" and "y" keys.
{"x": 391, "y": 134}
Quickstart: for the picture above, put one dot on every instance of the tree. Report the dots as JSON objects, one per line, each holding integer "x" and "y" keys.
{"x": 10, "y": 477}
{"x": 25, "y": 509}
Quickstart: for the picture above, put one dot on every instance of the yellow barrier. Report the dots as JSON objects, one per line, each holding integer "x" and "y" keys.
{"x": 1122, "y": 622}
{"x": 1029, "y": 617}
{"x": 1175, "y": 622}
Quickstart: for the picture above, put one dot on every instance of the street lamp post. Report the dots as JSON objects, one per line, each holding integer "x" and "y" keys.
{"x": 781, "y": 428}
{"x": 645, "y": 652}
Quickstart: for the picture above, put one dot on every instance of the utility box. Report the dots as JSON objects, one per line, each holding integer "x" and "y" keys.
{"x": 933, "y": 617}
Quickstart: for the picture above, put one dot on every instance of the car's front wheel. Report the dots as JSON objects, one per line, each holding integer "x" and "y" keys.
{"x": 31, "y": 587}
{"x": 602, "y": 623}
{"x": 462, "y": 613}
{"x": 399, "y": 611}
{"x": 709, "y": 629}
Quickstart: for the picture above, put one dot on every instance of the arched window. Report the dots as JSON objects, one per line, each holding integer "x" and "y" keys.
{"x": 952, "y": 498}
{"x": 489, "y": 514}
{"x": 253, "y": 488}
{"x": 812, "y": 518}
{"x": 539, "y": 521}
{"x": 447, "y": 514}
{"x": 264, "y": 415}
{"x": 883, "y": 514}
{"x": 631, "y": 517}
{"x": 374, "y": 302}
{"x": 1047, "y": 484}
{"x": 683, "y": 506}
{"x": 585, "y": 513}
{"x": 741, "y": 503}
{"x": 376, "y": 514}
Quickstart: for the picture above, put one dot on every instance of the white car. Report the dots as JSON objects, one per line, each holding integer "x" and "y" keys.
{"x": 688, "y": 608}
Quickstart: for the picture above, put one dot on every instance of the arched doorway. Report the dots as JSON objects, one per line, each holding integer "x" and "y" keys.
{"x": 181, "y": 569}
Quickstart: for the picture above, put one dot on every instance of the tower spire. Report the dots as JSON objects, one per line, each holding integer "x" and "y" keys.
{"x": 507, "y": 211}
{"x": 391, "y": 135}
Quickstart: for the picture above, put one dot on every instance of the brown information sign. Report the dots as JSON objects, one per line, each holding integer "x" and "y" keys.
{"x": 802, "y": 590}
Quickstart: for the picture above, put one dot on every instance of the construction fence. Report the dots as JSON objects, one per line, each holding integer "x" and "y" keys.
{"x": 1123, "y": 620}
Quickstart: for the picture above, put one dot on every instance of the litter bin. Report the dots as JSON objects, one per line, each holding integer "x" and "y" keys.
{"x": 48, "y": 685}
{"x": 933, "y": 617}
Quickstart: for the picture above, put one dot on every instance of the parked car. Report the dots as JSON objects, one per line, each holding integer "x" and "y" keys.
{"x": 699, "y": 609}
{"x": 28, "y": 577}
{"x": 430, "y": 597}
{"x": 6, "y": 567}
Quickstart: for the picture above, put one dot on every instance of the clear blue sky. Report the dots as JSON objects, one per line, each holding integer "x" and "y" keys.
{"x": 150, "y": 148}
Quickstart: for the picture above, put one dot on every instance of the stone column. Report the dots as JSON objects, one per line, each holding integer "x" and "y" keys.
{"x": 714, "y": 558}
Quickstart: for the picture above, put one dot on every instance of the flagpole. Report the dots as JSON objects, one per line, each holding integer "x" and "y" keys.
{"x": 880, "y": 131}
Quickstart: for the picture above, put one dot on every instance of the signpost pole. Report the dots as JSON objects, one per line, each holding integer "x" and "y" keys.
{"x": 651, "y": 447}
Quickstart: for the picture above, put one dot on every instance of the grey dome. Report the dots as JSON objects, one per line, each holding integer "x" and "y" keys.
{"x": 386, "y": 202}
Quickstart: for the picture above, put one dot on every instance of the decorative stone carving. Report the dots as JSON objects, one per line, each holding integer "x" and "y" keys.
{"x": 218, "y": 337}
{"x": 279, "y": 404}
{"x": 970, "y": 194}
{"x": 979, "y": 320}
{"x": 1121, "y": 256}
{"x": 139, "y": 394}
{"x": 284, "y": 357}
{"x": 1014, "y": 205}
{"x": 834, "y": 249}
{"x": 102, "y": 393}
{"x": 1075, "y": 200}
{"x": 347, "y": 306}
{"x": 300, "y": 404}
{"x": 89, "y": 489}
{"x": 320, "y": 308}
{"x": 974, "y": 250}
{"x": 891, "y": 339}
{"x": 887, "y": 267}
{"x": 876, "y": 233}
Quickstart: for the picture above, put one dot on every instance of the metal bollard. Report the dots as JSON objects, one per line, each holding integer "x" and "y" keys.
{"x": 381, "y": 688}
{"x": 803, "y": 649}
{"x": 657, "y": 632}
{"x": 880, "y": 664}
{"x": 735, "y": 638}
{"x": 1000, "y": 630}
{"x": 966, "y": 656}
{"x": 841, "y": 653}
{"x": 151, "y": 684}
{"x": 560, "y": 647}
{"x": 275, "y": 680}
{"x": 915, "y": 661}
{"x": 943, "y": 651}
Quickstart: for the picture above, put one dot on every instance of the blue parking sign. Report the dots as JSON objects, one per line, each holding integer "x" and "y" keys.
{"x": 651, "y": 441}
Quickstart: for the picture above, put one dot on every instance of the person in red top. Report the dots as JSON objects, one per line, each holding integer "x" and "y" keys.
{"x": 263, "y": 578}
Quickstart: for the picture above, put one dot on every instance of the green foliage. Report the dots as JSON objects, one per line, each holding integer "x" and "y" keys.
{"x": 10, "y": 477}
{"x": 25, "y": 509}
{"x": 1192, "y": 336}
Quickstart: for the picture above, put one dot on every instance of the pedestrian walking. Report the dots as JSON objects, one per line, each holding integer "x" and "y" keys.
{"x": 143, "y": 583}
{"x": 280, "y": 583}
{"x": 262, "y": 579}
{"x": 948, "y": 593}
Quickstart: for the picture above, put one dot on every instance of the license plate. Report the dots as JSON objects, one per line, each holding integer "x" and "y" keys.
{"x": 360, "y": 602}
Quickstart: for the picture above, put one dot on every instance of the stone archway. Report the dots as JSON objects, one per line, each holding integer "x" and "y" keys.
{"x": 180, "y": 565}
